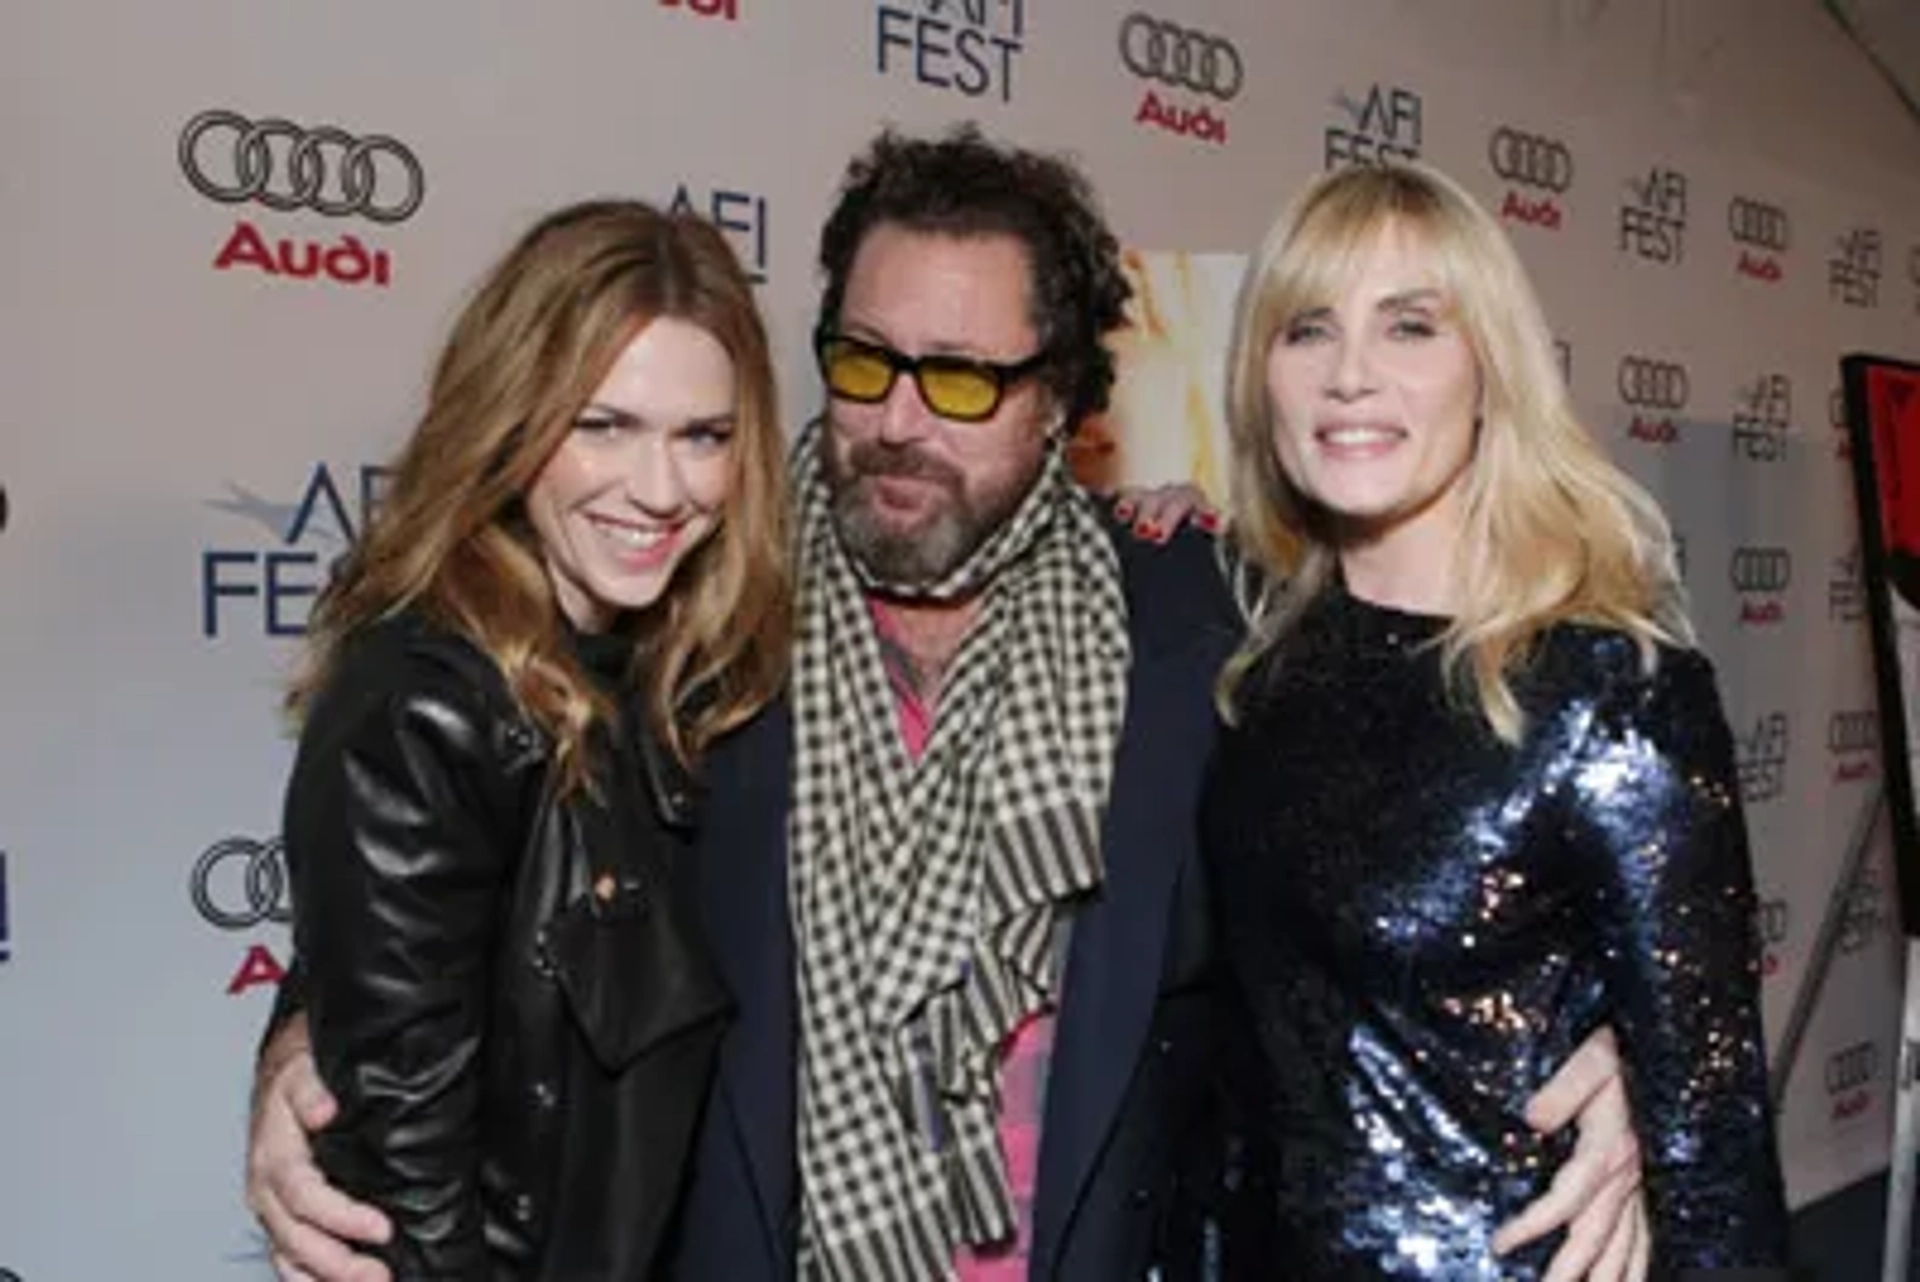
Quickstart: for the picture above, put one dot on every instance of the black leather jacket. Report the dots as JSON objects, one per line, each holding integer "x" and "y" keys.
{"x": 504, "y": 990}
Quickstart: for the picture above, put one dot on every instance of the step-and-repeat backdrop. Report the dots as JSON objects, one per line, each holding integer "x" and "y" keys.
{"x": 234, "y": 234}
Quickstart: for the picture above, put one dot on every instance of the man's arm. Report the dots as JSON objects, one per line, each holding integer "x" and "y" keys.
{"x": 311, "y": 1226}
{"x": 1596, "y": 1195}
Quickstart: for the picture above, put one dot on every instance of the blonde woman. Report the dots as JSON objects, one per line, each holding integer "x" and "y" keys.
{"x": 576, "y": 584}
{"x": 1476, "y": 796}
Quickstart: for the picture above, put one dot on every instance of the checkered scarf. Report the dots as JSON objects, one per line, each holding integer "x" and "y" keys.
{"x": 927, "y": 895}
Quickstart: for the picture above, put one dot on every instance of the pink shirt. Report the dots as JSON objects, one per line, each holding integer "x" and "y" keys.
{"x": 1028, "y": 1051}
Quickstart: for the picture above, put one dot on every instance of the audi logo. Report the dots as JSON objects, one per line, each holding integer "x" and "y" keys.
{"x": 239, "y": 883}
{"x": 1174, "y": 55}
{"x": 1652, "y": 385}
{"x": 1758, "y": 224}
{"x": 1853, "y": 731}
{"x": 1530, "y": 160}
{"x": 1757, "y": 569}
{"x": 285, "y": 167}
{"x": 1852, "y": 1067}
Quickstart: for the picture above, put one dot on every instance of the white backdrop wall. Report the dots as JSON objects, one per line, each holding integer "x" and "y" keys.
{"x": 198, "y": 392}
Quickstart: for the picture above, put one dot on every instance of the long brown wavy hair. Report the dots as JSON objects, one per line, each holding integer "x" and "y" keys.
{"x": 451, "y": 539}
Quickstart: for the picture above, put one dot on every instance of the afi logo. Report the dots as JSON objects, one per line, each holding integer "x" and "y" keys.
{"x": 239, "y": 884}
{"x": 1853, "y": 273}
{"x": 1182, "y": 62}
{"x": 282, "y": 578}
{"x": 1772, "y": 918}
{"x": 1763, "y": 233}
{"x": 1863, "y": 917}
{"x": 727, "y": 9}
{"x": 1762, "y": 415}
{"x": 1761, "y": 759}
{"x": 1653, "y": 218}
{"x": 1850, "y": 1074}
{"x": 965, "y": 46}
{"x": 741, "y": 215}
{"x": 1656, "y": 391}
{"x": 1536, "y": 169}
{"x": 1384, "y": 125}
{"x": 1846, "y": 594}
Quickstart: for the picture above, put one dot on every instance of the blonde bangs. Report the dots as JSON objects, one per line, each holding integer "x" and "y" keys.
{"x": 1554, "y": 531}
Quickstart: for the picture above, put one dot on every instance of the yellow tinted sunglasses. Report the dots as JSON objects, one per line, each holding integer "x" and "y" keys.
{"x": 956, "y": 387}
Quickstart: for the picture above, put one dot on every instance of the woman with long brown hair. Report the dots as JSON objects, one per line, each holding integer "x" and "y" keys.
{"x": 577, "y": 582}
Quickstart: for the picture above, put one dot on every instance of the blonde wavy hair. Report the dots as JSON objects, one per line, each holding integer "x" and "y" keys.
{"x": 451, "y": 538}
{"x": 1553, "y": 531}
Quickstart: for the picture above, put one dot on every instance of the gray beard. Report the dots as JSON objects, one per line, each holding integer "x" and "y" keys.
{"x": 929, "y": 553}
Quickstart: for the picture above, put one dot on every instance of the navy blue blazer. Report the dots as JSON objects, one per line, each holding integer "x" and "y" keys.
{"x": 1135, "y": 1033}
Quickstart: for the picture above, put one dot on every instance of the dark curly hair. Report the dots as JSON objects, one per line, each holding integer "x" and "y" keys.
{"x": 963, "y": 185}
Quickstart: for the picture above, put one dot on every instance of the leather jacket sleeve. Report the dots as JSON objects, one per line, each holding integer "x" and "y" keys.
{"x": 400, "y": 856}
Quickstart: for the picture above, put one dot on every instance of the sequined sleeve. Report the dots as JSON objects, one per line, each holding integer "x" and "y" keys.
{"x": 1657, "y": 824}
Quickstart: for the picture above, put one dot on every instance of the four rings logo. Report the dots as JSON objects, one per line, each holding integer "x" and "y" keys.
{"x": 1184, "y": 60}
{"x": 1761, "y": 575}
{"x": 1853, "y": 742}
{"x": 1656, "y": 391}
{"x": 1763, "y": 234}
{"x": 1530, "y": 160}
{"x": 240, "y": 884}
{"x": 1544, "y": 165}
{"x": 1180, "y": 58}
{"x": 1758, "y": 224}
{"x": 1850, "y": 1073}
{"x": 281, "y": 165}
{"x": 1652, "y": 385}
{"x": 1760, "y": 569}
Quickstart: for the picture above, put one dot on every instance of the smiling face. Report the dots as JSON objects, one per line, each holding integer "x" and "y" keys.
{"x": 1375, "y": 399}
{"x": 641, "y": 478}
{"x": 914, "y": 493}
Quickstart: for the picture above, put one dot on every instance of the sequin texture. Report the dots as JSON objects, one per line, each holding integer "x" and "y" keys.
{"x": 1421, "y": 923}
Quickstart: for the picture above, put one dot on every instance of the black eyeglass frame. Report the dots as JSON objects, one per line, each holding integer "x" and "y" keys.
{"x": 1003, "y": 375}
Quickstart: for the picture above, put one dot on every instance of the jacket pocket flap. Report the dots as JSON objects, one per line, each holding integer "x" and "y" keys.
{"x": 632, "y": 973}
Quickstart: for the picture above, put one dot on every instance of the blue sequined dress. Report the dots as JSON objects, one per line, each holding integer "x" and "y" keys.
{"x": 1421, "y": 923}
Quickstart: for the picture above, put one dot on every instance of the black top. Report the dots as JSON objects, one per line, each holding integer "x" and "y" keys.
{"x": 507, "y": 990}
{"x": 1421, "y": 923}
